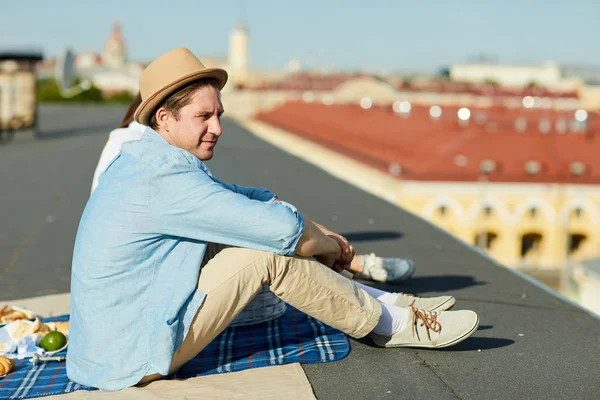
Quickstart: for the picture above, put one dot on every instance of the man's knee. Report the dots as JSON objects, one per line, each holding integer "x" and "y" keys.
{"x": 231, "y": 261}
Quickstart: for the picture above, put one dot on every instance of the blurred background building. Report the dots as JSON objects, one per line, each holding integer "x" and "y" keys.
{"x": 18, "y": 88}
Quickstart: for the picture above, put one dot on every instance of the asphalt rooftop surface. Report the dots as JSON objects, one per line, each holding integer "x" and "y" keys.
{"x": 530, "y": 343}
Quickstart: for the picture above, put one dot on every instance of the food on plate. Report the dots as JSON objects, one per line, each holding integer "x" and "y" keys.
{"x": 10, "y": 314}
{"x": 25, "y": 328}
{"x": 43, "y": 329}
{"x": 6, "y": 365}
{"x": 62, "y": 327}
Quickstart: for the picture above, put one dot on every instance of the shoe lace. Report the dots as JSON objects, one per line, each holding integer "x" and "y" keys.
{"x": 428, "y": 320}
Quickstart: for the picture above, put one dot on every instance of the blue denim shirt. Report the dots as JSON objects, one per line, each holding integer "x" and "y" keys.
{"x": 136, "y": 262}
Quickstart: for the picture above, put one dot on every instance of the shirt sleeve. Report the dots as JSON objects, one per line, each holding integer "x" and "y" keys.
{"x": 186, "y": 202}
{"x": 254, "y": 193}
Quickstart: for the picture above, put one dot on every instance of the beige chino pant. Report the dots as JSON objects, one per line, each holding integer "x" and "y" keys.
{"x": 231, "y": 277}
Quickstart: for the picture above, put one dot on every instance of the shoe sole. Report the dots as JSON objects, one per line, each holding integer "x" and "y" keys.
{"x": 437, "y": 346}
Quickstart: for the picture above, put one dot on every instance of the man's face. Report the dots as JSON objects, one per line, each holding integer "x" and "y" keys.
{"x": 198, "y": 125}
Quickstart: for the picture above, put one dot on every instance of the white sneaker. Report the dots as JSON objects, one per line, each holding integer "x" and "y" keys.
{"x": 432, "y": 330}
{"x": 385, "y": 269}
{"x": 440, "y": 303}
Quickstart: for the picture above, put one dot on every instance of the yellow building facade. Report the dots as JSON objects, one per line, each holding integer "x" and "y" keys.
{"x": 531, "y": 227}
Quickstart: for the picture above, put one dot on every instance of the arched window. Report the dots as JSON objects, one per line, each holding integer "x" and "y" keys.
{"x": 576, "y": 242}
{"x": 441, "y": 211}
{"x": 577, "y": 213}
{"x": 531, "y": 246}
{"x": 485, "y": 240}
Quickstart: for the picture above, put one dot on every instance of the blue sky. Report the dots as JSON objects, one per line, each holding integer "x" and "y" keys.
{"x": 351, "y": 35}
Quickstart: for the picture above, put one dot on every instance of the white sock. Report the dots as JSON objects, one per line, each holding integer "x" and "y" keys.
{"x": 393, "y": 319}
{"x": 382, "y": 296}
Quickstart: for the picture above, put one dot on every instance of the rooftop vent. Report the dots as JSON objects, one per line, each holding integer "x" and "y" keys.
{"x": 435, "y": 112}
{"x": 366, "y": 103}
{"x": 545, "y": 125}
{"x": 577, "y": 168}
{"x": 562, "y": 125}
{"x": 402, "y": 107}
{"x": 581, "y": 115}
{"x": 395, "y": 169}
{"x": 533, "y": 167}
{"x": 528, "y": 101}
{"x": 580, "y": 121}
{"x": 487, "y": 166}
{"x": 481, "y": 117}
{"x": 464, "y": 115}
{"x": 461, "y": 160}
{"x": 520, "y": 124}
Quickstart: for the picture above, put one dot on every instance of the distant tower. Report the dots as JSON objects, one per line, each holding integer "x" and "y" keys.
{"x": 238, "y": 52}
{"x": 114, "y": 48}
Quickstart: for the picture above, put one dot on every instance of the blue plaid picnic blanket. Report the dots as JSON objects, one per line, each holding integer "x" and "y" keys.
{"x": 295, "y": 337}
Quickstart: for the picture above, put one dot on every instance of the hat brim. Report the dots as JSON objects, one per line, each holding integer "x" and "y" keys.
{"x": 148, "y": 106}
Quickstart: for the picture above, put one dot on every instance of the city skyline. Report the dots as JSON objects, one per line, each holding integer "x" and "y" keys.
{"x": 336, "y": 35}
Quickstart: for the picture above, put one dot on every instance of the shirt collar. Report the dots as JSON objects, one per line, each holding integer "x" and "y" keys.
{"x": 151, "y": 135}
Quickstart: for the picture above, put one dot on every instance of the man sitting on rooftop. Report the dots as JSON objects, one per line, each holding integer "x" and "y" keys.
{"x": 167, "y": 255}
{"x": 363, "y": 266}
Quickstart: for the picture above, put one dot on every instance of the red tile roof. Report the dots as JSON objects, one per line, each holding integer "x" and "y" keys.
{"x": 428, "y": 149}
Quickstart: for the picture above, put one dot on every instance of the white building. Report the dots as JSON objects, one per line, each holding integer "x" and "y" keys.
{"x": 113, "y": 80}
{"x": 110, "y": 72}
{"x": 114, "y": 54}
{"x": 547, "y": 74}
{"x": 239, "y": 60}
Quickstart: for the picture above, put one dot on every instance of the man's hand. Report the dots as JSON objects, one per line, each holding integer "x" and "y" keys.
{"x": 339, "y": 259}
{"x": 347, "y": 254}
{"x": 330, "y": 260}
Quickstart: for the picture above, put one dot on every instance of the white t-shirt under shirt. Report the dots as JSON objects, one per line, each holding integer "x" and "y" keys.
{"x": 116, "y": 139}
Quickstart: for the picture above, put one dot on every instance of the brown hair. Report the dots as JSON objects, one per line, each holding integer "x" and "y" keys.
{"x": 128, "y": 118}
{"x": 181, "y": 98}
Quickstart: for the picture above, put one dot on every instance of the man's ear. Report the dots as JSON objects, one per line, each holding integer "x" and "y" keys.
{"x": 162, "y": 118}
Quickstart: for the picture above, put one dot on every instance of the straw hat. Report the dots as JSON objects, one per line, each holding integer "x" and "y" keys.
{"x": 166, "y": 75}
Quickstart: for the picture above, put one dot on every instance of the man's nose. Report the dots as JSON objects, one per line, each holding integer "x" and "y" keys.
{"x": 215, "y": 126}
